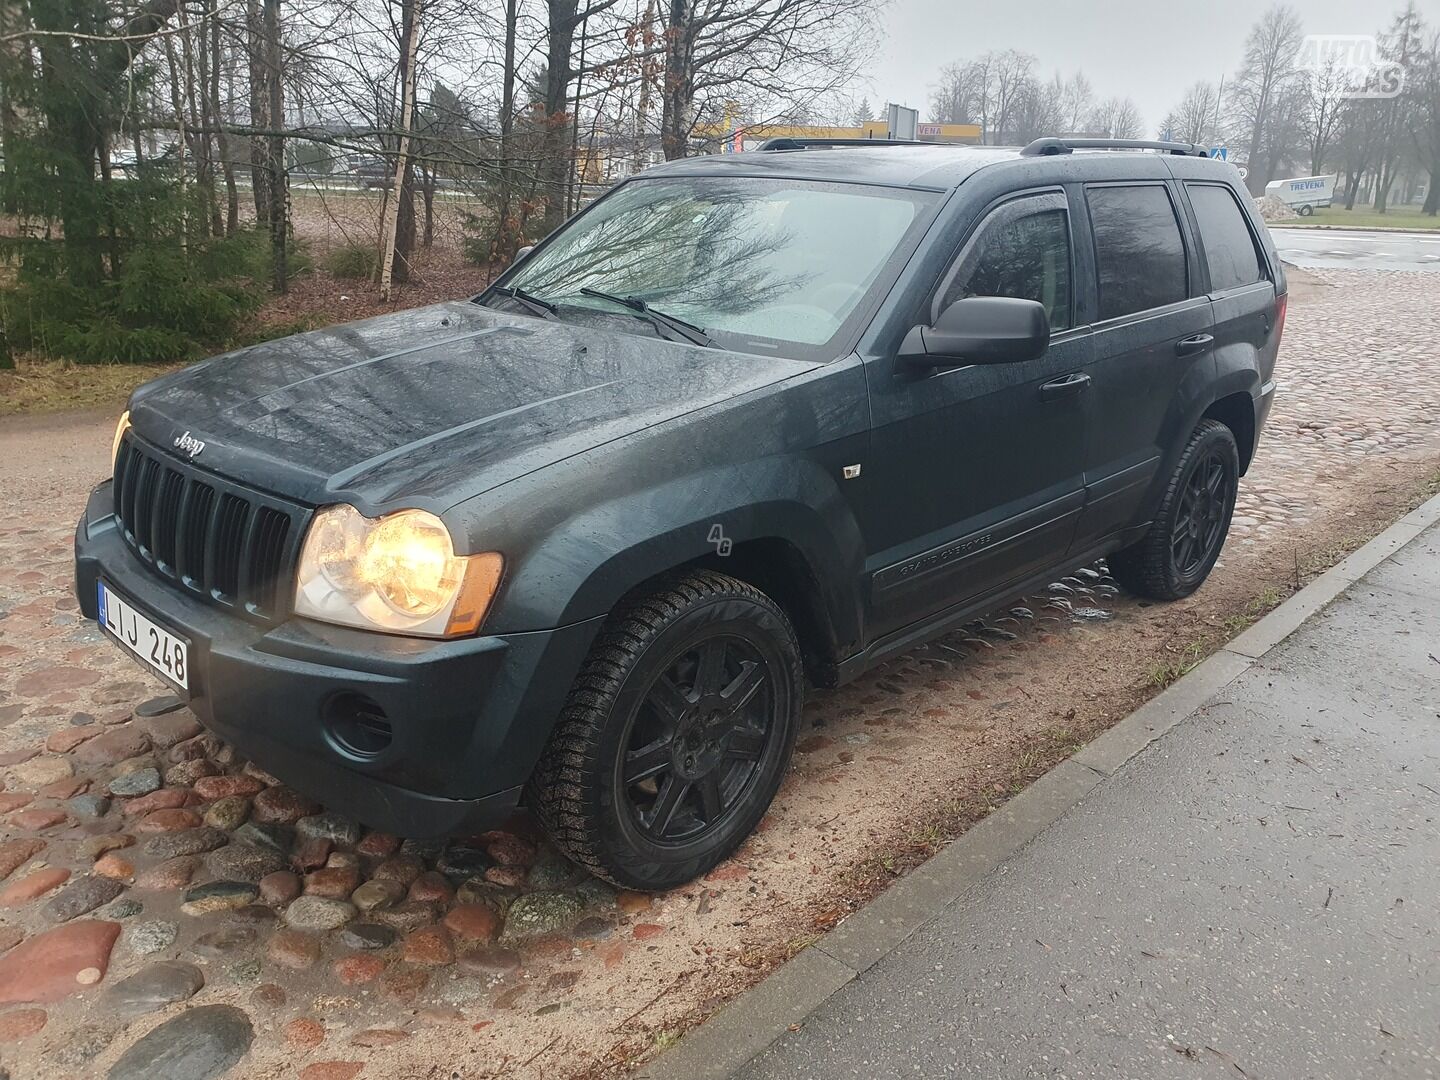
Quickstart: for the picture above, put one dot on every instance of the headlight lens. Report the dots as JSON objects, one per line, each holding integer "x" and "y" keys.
{"x": 398, "y": 573}
{"x": 121, "y": 426}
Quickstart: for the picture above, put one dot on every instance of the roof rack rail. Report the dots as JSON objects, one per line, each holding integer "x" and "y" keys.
{"x": 1048, "y": 146}
{"x": 788, "y": 142}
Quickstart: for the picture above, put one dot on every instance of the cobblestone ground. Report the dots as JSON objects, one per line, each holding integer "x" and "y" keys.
{"x": 162, "y": 898}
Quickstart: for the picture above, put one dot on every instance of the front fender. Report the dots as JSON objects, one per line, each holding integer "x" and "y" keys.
{"x": 605, "y": 551}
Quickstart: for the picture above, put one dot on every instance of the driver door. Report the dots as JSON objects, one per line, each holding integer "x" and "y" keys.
{"x": 977, "y": 475}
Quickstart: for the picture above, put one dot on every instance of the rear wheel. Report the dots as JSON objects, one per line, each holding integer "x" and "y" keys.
{"x": 676, "y": 734}
{"x": 1306, "y": 211}
{"x": 1177, "y": 553}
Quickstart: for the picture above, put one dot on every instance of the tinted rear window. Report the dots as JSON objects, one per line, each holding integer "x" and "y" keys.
{"x": 1229, "y": 247}
{"x": 1138, "y": 249}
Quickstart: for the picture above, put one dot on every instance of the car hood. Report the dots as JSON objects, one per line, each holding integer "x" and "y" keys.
{"x": 432, "y": 405}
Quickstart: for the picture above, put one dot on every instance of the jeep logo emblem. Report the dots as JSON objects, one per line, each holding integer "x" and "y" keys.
{"x": 189, "y": 445}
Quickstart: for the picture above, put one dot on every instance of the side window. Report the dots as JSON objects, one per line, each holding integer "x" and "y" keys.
{"x": 1021, "y": 250}
{"x": 1138, "y": 250}
{"x": 1229, "y": 246}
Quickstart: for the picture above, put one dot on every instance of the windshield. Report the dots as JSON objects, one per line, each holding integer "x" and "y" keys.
{"x": 766, "y": 265}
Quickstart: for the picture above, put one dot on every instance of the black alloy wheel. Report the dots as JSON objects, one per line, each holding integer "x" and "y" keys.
{"x": 676, "y": 735}
{"x": 1203, "y": 514}
{"x": 697, "y": 740}
{"x": 1185, "y": 537}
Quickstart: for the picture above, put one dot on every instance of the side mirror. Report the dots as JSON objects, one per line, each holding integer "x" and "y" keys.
{"x": 980, "y": 330}
{"x": 520, "y": 255}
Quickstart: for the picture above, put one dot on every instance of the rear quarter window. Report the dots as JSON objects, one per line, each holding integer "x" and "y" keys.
{"x": 1139, "y": 252}
{"x": 1229, "y": 246}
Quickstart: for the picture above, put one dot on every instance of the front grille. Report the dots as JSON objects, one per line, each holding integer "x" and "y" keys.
{"x": 230, "y": 544}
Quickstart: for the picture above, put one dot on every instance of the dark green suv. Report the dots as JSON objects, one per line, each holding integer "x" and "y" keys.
{"x": 746, "y": 422}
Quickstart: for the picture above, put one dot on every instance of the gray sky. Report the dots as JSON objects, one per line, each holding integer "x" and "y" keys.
{"x": 1140, "y": 49}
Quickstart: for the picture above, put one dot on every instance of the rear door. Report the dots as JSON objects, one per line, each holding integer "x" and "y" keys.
{"x": 1242, "y": 296}
{"x": 1153, "y": 348}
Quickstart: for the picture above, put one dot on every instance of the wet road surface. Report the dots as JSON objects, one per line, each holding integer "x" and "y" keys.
{"x": 1247, "y": 898}
{"x": 1358, "y": 249}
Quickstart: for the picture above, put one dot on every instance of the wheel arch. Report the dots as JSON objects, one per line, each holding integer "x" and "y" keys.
{"x": 781, "y": 570}
{"x": 781, "y": 525}
{"x": 1237, "y": 412}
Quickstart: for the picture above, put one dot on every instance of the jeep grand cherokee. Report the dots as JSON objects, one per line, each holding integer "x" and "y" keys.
{"x": 748, "y": 421}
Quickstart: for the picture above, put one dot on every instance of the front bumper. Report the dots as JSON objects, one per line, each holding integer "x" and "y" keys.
{"x": 468, "y": 718}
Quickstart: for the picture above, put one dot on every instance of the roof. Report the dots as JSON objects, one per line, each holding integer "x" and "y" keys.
{"x": 936, "y": 166}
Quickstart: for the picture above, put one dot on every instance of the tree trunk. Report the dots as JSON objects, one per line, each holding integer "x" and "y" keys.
{"x": 402, "y": 190}
{"x": 222, "y": 140}
{"x": 112, "y": 235}
{"x": 201, "y": 111}
{"x": 572, "y": 181}
{"x": 275, "y": 149}
{"x": 1432, "y": 193}
{"x": 507, "y": 236}
{"x": 15, "y": 61}
{"x": 679, "y": 89}
{"x": 554, "y": 170}
{"x": 641, "y": 156}
{"x": 405, "y": 230}
{"x": 427, "y": 193}
{"x": 177, "y": 103}
{"x": 259, "y": 109}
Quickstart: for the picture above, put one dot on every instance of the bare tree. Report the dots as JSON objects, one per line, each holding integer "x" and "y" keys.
{"x": 1194, "y": 119}
{"x": 1077, "y": 101}
{"x": 1010, "y": 72}
{"x": 393, "y": 245}
{"x": 1261, "y": 96}
{"x": 1323, "y": 100}
{"x": 1424, "y": 78}
{"x": 960, "y": 95}
{"x": 1402, "y": 44}
{"x": 1117, "y": 118}
{"x": 782, "y": 56}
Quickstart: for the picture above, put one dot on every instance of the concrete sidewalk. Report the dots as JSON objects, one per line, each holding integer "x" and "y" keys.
{"x": 1250, "y": 888}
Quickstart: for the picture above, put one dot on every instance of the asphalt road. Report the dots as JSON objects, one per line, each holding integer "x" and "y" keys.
{"x": 1253, "y": 896}
{"x": 1358, "y": 249}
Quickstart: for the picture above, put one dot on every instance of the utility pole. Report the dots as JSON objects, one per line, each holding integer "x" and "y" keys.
{"x": 1219, "y": 97}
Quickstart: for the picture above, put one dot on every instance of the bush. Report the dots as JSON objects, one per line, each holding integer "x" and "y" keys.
{"x": 162, "y": 306}
{"x": 353, "y": 261}
{"x": 476, "y": 250}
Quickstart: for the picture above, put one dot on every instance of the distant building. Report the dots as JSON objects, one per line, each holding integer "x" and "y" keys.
{"x": 722, "y": 138}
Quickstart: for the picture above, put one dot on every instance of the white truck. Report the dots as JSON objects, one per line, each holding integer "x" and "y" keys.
{"x": 1304, "y": 194}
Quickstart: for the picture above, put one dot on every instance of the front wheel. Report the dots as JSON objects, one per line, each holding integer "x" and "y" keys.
{"x": 1176, "y": 555}
{"x": 676, "y": 734}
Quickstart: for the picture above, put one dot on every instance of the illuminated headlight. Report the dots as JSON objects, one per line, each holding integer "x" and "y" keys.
{"x": 121, "y": 426}
{"x": 398, "y": 573}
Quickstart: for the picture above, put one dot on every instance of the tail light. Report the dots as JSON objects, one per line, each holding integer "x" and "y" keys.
{"x": 1282, "y": 302}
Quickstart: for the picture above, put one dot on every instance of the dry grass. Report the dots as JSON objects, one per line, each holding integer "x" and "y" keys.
{"x": 53, "y": 386}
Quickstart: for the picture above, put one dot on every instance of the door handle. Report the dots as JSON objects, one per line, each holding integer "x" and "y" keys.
{"x": 1074, "y": 383}
{"x": 1195, "y": 343}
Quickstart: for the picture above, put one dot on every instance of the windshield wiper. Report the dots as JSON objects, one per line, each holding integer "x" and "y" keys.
{"x": 689, "y": 331}
{"x": 530, "y": 301}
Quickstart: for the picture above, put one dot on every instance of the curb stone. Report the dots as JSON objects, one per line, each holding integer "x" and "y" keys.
{"x": 746, "y": 1026}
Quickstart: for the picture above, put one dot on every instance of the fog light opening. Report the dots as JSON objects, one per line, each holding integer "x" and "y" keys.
{"x": 358, "y": 726}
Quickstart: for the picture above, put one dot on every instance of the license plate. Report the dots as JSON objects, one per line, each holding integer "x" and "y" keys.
{"x": 151, "y": 642}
